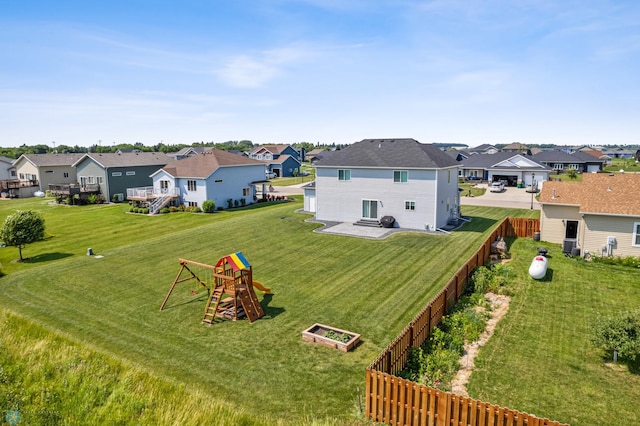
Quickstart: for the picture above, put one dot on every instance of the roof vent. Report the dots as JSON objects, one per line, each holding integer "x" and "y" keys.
{"x": 608, "y": 189}
{"x": 553, "y": 195}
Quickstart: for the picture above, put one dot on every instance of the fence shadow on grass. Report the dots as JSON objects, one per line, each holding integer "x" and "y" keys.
{"x": 48, "y": 257}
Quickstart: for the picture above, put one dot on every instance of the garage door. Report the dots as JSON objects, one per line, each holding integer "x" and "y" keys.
{"x": 592, "y": 168}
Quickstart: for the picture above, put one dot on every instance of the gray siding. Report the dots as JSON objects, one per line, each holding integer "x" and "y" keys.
{"x": 341, "y": 201}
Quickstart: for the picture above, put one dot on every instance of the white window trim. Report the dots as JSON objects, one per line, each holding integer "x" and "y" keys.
{"x": 345, "y": 172}
{"x": 116, "y": 174}
{"x": 636, "y": 234}
{"x": 400, "y": 172}
{"x": 408, "y": 204}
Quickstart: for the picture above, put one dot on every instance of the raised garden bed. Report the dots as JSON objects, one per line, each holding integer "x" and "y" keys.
{"x": 332, "y": 337}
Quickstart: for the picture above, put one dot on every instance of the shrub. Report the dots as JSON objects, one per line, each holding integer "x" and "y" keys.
{"x": 69, "y": 201}
{"x": 92, "y": 198}
{"x": 197, "y": 209}
{"x": 164, "y": 210}
{"x": 230, "y": 203}
{"x": 208, "y": 206}
{"x": 243, "y": 202}
{"x": 492, "y": 279}
{"x": 181, "y": 208}
{"x": 629, "y": 261}
{"x": 236, "y": 203}
{"x": 173, "y": 209}
{"x": 619, "y": 335}
{"x": 219, "y": 208}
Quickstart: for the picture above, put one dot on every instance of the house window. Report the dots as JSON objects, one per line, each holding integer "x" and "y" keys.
{"x": 192, "y": 204}
{"x": 48, "y": 171}
{"x": 410, "y": 205}
{"x": 218, "y": 181}
{"x": 66, "y": 174}
{"x": 99, "y": 180}
{"x": 344, "y": 174}
{"x": 131, "y": 173}
{"x": 246, "y": 192}
{"x": 574, "y": 166}
{"x": 21, "y": 176}
{"x": 400, "y": 176}
{"x": 116, "y": 174}
{"x": 636, "y": 235}
{"x": 13, "y": 173}
{"x": 164, "y": 186}
{"x": 558, "y": 166}
{"x": 191, "y": 185}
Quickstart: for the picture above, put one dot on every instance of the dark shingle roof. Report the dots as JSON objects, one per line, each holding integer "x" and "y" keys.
{"x": 490, "y": 161}
{"x": 128, "y": 159}
{"x": 383, "y": 153}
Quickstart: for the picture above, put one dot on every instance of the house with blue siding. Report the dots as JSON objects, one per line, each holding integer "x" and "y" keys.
{"x": 416, "y": 184}
{"x": 214, "y": 175}
{"x": 282, "y": 160}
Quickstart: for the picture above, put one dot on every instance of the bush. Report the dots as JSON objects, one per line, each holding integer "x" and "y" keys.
{"x": 208, "y": 206}
{"x": 492, "y": 279}
{"x": 629, "y": 261}
{"x": 181, "y": 208}
{"x": 197, "y": 209}
{"x": 229, "y": 203}
{"x": 619, "y": 333}
{"x": 243, "y": 202}
{"x": 92, "y": 198}
{"x": 164, "y": 210}
{"x": 236, "y": 203}
{"x": 145, "y": 210}
{"x": 173, "y": 209}
{"x": 219, "y": 208}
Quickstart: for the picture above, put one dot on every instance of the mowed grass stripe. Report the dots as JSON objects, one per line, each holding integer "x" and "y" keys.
{"x": 368, "y": 286}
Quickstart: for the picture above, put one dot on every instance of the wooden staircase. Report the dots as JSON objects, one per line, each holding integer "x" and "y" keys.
{"x": 212, "y": 305}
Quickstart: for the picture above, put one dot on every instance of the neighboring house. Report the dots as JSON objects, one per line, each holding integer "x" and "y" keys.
{"x": 620, "y": 152}
{"x": 283, "y": 160}
{"x": 189, "y": 151}
{"x": 311, "y": 155}
{"x": 483, "y": 149}
{"x": 114, "y": 173}
{"x": 600, "y": 215}
{"x": 560, "y": 161}
{"x": 7, "y": 169}
{"x": 215, "y": 175}
{"x": 38, "y": 171}
{"x": 506, "y": 166}
{"x": 517, "y": 147}
{"x": 459, "y": 155}
{"x": 320, "y": 156}
{"x": 414, "y": 183}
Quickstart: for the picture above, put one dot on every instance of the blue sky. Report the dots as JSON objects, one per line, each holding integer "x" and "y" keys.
{"x": 285, "y": 71}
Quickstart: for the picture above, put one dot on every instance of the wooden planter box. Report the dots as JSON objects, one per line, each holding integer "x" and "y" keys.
{"x": 316, "y": 334}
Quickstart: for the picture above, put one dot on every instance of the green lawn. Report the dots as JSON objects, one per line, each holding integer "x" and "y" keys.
{"x": 111, "y": 304}
{"x": 626, "y": 164}
{"x": 116, "y": 346}
{"x": 540, "y": 359}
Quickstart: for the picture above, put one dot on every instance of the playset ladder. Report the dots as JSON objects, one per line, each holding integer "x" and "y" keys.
{"x": 250, "y": 304}
{"x": 212, "y": 305}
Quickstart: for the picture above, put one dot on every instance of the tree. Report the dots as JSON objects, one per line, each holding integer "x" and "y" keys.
{"x": 619, "y": 335}
{"x": 22, "y": 228}
{"x": 572, "y": 174}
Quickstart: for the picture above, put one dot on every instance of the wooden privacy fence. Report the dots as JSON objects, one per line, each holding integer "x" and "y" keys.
{"x": 397, "y": 401}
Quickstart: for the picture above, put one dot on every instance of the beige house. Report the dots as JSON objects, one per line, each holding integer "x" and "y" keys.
{"x": 38, "y": 171}
{"x": 600, "y": 215}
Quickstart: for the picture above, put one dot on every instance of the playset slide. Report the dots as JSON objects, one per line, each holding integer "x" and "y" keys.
{"x": 262, "y": 288}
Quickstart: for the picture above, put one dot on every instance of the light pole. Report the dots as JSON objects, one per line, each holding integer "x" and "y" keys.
{"x": 533, "y": 176}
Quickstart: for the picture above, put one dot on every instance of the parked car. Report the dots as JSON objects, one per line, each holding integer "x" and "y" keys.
{"x": 271, "y": 175}
{"x": 496, "y": 187}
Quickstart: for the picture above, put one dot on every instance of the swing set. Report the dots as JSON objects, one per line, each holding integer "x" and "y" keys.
{"x": 229, "y": 284}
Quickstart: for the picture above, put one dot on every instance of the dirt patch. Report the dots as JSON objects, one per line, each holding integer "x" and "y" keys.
{"x": 499, "y": 308}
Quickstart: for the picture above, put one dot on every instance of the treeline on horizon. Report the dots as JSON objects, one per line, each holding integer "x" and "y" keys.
{"x": 243, "y": 145}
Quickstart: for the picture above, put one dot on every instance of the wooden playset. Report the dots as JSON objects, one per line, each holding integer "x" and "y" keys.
{"x": 229, "y": 284}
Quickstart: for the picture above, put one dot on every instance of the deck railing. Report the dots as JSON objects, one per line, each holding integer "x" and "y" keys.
{"x": 397, "y": 401}
{"x": 150, "y": 192}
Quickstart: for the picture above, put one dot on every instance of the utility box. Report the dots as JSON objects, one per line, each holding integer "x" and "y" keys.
{"x": 611, "y": 241}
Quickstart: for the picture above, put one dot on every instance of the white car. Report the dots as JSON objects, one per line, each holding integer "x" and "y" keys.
{"x": 271, "y": 175}
{"x": 496, "y": 187}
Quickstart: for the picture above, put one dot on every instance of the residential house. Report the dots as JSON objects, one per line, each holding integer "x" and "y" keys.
{"x": 504, "y": 166}
{"x": 7, "y": 169}
{"x": 189, "y": 151}
{"x": 516, "y": 147}
{"x": 619, "y": 152}
{"x": 560, "y": 161}
{"x": 215, "y": 175}
{"x": 483, "y": 149}
{"x": 313, "y": 159}
{"x": 459, "y": 155}
{"x": 113, "y": 173}
{"x": 37, "y": 172}
{"x": 283, "y": 160}
{"x": 599, "y": 215}
{"x": 414, "y": 183}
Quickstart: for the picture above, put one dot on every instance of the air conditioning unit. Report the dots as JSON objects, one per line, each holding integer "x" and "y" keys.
{"x": 118, "y": 198}
{"x": 568, "y": 244}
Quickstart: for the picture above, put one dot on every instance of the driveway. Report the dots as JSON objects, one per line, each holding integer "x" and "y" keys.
{"x": 517, "y": 198}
